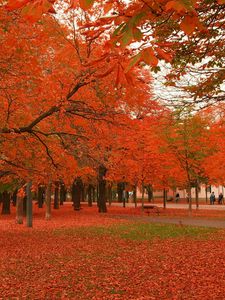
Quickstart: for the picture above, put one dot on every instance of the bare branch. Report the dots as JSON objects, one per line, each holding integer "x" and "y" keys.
{"x": 46, "y": 148}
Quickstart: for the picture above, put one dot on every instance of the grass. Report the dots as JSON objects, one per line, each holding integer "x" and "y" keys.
{"x": 139, "y": 231}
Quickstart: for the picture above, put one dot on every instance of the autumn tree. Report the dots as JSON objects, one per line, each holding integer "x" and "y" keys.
{"x": 189, "y": 35}
{"x": 214, "y": 163}
{"x": 49, "y": 111}
{"x": 187, "y": 139}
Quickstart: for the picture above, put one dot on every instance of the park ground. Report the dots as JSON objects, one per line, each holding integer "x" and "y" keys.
{"x": 118, "y": 255}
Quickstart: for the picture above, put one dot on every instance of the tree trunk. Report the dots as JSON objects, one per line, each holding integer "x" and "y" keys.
{"x": 120, "y": 186}
{"x": 102, "y": 189}
{"x": 164, "y": 198}
{"x": 48, "y": 201}
{"x": 135, "y": 196}
{"x": 14, "y": 197}
{"x": 19, "y": 210}
{"x": 97, "y": 193}
{"x": 189, "y": 198}
{"x": 62, "y": 194}
{"x": 5, "y": 203}
{"x": 110, "y": 194}
{"x": 56, "y": 196}
{"x": 142, "y": 197}
{"x": 77, "y": 193}
{"x": 29, "y": 207}
{"x": 150, "y": 192}
{"x": 124, "y": 198}
{"x": 127, "y": 196}
{"x": 89, "y": 194}
{"x": 196, "y": 197}
{"x": 206, "y": 195}
{"x": 82, "y": 198}
{"x": 40, "y": 199}
{"x": 94, "y": 194}
{"x": 25, "y": 206}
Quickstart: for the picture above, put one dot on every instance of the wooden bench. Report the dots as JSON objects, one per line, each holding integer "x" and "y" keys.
{"x": 169, "y": 199}
{"x": 150, "y": 207}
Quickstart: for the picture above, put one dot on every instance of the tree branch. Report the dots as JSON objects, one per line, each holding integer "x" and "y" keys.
{"x": 46, "y": 148}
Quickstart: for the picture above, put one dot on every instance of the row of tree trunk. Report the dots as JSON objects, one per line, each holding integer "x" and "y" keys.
{"x": 79, "y": 193}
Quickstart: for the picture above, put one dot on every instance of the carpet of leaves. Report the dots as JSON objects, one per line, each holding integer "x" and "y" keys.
{"x": 82, "y": 255}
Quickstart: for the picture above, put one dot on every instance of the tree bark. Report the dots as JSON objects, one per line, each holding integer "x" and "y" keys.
{"x": 124, "y": 198}
{"x": 150, "y": 192}
{"x": 56, "y": 196}
{"x": 89, "y": 194}
{"x": 135, "y": 196}
{"x": 127, "y": 196}
{"x": 120, "y": 186}
{"x": 110, "y": 194}
{"x": 97, "y": 193}
{"x": 94, "y": 194}
{"x": 48, "y": 201}
{"x": 40, "y": 199}
{"x": 196, "y": 196}
{"x": 25, "y": 206}
{"x": 5, "y": 203}
{"x": 82, "y": 192}
{"x": 206, "y": 195}
{"x": 14, "y": 197}
{"x": 29, "y": 205}
{"x": 189, "y": 198}
{"x": 164, "y": 198}
{"x": 102, "y": 189}
{"x": 62, "y": 193}
{"x": 77, "y": 193}
{"x": 142, "y": 196}
{"x": 19, "y": 210}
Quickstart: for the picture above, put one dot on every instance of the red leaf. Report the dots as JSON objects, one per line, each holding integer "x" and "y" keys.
{"x": 15, "y": 4}
{"x": 148, "y": 56}
{"x": 86, "y": 4}
{"x": 117, "y": 76}
{"x": 101, "y": 75}
{"x": 162, "y": 54}
{"x": 134, "y": 60}
{"x": 32, "y": 12}
{"x": 74, "y": 3}
{"x": 187, "y": 25}
{"x": 176, "y": 5}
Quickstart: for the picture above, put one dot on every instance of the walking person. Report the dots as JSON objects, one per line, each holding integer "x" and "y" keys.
{"x": 212, "y": 198}
{"x": 220, "y": 198}
{"x": 177, "y": 198}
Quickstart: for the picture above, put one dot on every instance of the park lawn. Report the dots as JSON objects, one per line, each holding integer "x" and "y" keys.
{"x": 90, "y": 256}
{"x": 139, "y": 231}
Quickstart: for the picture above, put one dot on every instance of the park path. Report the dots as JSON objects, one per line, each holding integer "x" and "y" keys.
{"x": 189, "y": 221}
{"x": 177, "y": 205}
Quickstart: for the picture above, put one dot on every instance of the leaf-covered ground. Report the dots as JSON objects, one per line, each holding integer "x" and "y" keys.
{"x": 84, "y": 255}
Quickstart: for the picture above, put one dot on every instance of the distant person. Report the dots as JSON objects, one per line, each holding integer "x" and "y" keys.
{"x": 177, "y": 198}
{"x": 220, "y": 198}
{"x": 212, "y": 198}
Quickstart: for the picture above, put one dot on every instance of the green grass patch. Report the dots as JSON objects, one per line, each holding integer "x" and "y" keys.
{"x": 139, "y": 231}
{"x": 148, "y": 231}
{"x": 118, "y": 292}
